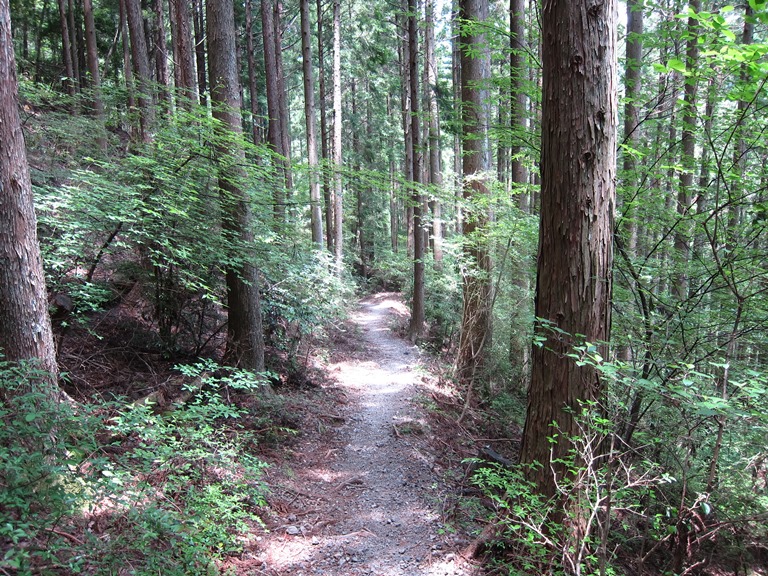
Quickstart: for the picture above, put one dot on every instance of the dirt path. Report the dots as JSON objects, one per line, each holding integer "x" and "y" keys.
{"x": 371, "y": 504}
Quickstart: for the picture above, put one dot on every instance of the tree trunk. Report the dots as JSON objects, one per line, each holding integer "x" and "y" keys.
{"x": 435, "y": 171}
{"x": 416, "y": 326}
{"x": 25, "y": 332}
{"x": 93, "y": 69}
{"x": 245, "y": 340}
{"x": 141, "y": 67}
{"x": 198, "y": 21}
{"x": 632, "y": 88}
{"x": 185, "y": 77}
{"x": 160, "y": 53}
{"x": 338, "y": 204}
{"x": 475, "y": 336}
{"x": 327, "y": 200}
{"x": 66, "y": 50}
{"x": 309, "y": 113}
{"x": 518, "y": 100}
{"x": 578, "y": 166}
{"x": 127, "y": 68}
{"x": 74, "y": 45}
{"x": 39, "y": 40}
{"x": 456, "y": 77}
{"x": 687, "y": 160}
{"x": 282, "y": 100}
{"x": 252, "y": 90}
{"x": 274, "y": 137}
{"x": 404, "y": 54}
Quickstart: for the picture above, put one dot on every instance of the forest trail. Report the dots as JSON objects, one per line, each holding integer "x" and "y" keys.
{"x": 371, "y": 504}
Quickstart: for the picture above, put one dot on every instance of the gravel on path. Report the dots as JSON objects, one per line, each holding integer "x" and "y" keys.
{"x": 371, "y": 506}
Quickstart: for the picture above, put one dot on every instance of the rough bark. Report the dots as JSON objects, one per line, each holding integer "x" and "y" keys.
{"x": 282, "y": 99}
{"x": 92, "y": 57}
{"x": 198, "y": 21}
{"x": 578, "y": 167}
{"x": 160, "y": 56}
{"x": 327, "y": 200}
{"x": 66, "y": 50}
{"x": 632, "y": 87}
{"x": 309, "y": 114}
{"x": 416, "y": 326}
{"x": 518, "y": 99}
{"x": 687, "y": 161}
{"x": 435, "y": 171}
{"x": 185, "y": 77}
{"x": 252, "y": 90}
{"x": 274, "y": 138}
{"x": 25, "y": 326}
{"x": 338, "y": 203}
{"x": 141, "y": 67}
{"x": 476, "y": 164}
{"x": 245, "y": 340}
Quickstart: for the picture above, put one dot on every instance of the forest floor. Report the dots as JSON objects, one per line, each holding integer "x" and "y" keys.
{"x": 365, "y": 493}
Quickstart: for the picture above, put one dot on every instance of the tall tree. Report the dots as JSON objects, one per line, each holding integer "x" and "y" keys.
{"x": 25, "y": 327}
{"x": 578, "y": 166}
{"x": 327, "y": 200}
{"x": 274, "y": 127}
{"x": 416, "y": 326}
{"x": 140, "y": 56}
{"x": 338, "y": 200}
{"x": 184, "y": 66}
{"x": 245, "y": 339}
{"x": 66, "y": 50}
{"x": 92, "y": 57}
{"x": 687, "y": 161}
{"x": 252, "y": 90}
{"x": 198, "y": 22}
{"x": 160, "y": 55}
{"x": 476, "y": 164}
{"x": 309, "y": 113}
{"x": 435, "y": 151}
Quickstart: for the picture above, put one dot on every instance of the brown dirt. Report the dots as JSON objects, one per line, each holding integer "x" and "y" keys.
{"x": 362, "y": 493}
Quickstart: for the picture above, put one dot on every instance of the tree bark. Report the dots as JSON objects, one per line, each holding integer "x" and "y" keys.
{"x": 416, "y": 326}
{"x": 141, "y": 67}
{"x": 309, "y": 114}
{"x": 578, "y": 167}
{"x": 25, "y": 326}
{"x": 160, "y": 54}
{"x": 66, "y": 50}
{"x": 74, "y": 44}
{"x": 327, "y": 200}
{"x": 475, "y": 336}
{"x": 435, "y": 171}
{"x": 185, "y": 78}
{"x": 518, "y": 100}
{"x": 93, "y": 69}
{"x": 274, "y": 137}
{"x": 245, "y": 339}
{"x": 198, "y": 21}
{"x": 338, "y": 203}
{"x": 282, "y": 99}
{"x": 687, "y": 161}
{"x": 252, "y": 90}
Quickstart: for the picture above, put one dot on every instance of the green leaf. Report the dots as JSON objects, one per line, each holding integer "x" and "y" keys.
{"x": 676, "y": 64}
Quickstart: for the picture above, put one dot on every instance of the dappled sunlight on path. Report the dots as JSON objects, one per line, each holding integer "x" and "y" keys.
{"x": 376, "y": 498}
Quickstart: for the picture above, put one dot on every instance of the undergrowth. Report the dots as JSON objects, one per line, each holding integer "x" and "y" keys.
{"x": 101, "y": 489}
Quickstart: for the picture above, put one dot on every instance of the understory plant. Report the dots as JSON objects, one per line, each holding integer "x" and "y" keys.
{"x": 93, "y": 489}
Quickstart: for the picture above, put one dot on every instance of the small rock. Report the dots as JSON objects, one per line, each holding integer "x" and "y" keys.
{"x": 292, "y": 531}
{"x": 315, "y": 541}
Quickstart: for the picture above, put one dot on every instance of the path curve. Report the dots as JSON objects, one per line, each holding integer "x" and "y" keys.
{"x": 370, "y": 507}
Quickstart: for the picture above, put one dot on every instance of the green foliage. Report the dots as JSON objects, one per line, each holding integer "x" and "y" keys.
{"x": 301, "y": 295}
{"x": 162, "y": 493}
